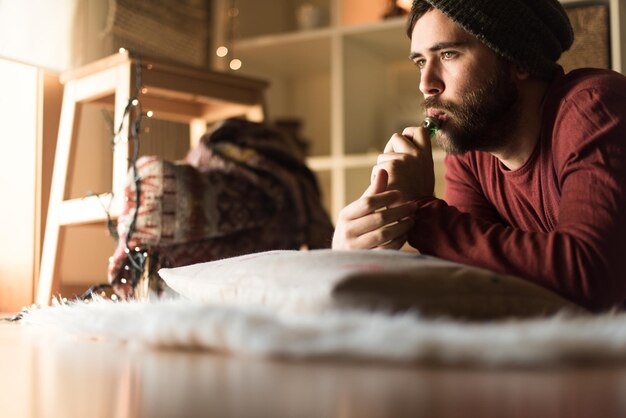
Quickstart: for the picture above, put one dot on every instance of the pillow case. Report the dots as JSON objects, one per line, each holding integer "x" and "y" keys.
{"x": 391, "y": 280}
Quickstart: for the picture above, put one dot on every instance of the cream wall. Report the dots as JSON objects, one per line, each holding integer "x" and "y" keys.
{"x": 37, "y": 32}
{"x": 18, "y": 178}
{"x": 55, "y": 36}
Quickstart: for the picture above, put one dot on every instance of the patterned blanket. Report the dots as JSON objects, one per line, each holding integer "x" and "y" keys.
{"x": 243, "y": 189}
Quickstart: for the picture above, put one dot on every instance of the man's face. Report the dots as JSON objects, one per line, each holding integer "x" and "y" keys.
{"x": 465, "y": 85}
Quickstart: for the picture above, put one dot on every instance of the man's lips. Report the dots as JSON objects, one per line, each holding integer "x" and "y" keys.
{"x": 437, "y": 114}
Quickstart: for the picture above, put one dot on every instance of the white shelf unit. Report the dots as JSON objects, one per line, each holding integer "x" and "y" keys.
{"x": 350, "y": 81}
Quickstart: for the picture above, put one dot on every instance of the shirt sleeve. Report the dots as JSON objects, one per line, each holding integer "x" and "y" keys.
{"x": 584, "y": 257}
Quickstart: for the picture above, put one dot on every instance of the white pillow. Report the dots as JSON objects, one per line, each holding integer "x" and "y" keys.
{"x": 396, "y": 280}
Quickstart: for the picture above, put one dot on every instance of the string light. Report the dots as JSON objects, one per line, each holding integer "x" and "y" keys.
{"x": 221, "y": 51}
{"x": 227, "y": 51}
{"x": 149, "y": 113}
{"x": 235, "y": 64}
{"x": 136, "y": 258}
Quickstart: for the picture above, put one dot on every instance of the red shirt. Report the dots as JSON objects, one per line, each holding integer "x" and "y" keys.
{"x": 559, "y": 220}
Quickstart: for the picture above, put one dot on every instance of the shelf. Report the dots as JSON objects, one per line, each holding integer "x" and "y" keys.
{"x": 357, "y": 180}
{"x": 277, "y": 39}
{"x": 386, "y": 37}
{"x": 350, "y": 82}
{"x": 356, "y": 12}
{"x": 259, "y": 18}
{"x": 325, "y": 182}
{"x": 288, "y": 55}
{"x": 360, "y": 160}
{"x": 310, "y": 50}
{"x": 321, "y": 163}
{"x": 373, "y": 111}
{"x": 298, "y": 69}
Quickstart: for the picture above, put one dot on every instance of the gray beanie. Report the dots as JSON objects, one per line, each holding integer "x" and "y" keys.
{"x": 530, "y": 33}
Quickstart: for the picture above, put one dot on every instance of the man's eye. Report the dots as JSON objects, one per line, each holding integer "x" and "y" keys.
{"x": 448, "y": 55}
{"x": 420, "y": 63}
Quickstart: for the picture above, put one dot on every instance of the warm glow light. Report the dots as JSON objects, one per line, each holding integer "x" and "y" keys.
{"x": 222, "y": 51}
{"x": 135, "y": 102}
{"x": 149, "y": 113}
{"x": 144, "y": 90}
{"x": 235, "y": 64}
{"x": 404, "y": 4}
{"x": 122, "y": 50}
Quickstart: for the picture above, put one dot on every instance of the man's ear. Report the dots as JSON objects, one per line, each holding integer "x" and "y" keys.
{"x": 520, "y": 74}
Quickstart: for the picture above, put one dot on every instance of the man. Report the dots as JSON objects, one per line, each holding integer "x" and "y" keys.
{"x": 536, "y": 164}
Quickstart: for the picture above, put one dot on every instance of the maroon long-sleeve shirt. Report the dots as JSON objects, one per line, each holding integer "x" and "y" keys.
{"x": 560, "y": 219}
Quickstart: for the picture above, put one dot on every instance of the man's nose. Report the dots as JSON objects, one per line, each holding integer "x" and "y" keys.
{"x": 431, "y": 83}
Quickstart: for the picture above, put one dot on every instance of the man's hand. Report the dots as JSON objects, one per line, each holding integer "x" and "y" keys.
{"x": 408, "y": 160}
{"x": 378, "y": 219}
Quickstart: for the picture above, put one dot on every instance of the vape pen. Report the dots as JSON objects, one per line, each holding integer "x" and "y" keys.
{"x": 432, "y": 124}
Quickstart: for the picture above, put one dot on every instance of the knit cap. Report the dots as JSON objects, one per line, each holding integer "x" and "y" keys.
{"x": 530, "y": 33}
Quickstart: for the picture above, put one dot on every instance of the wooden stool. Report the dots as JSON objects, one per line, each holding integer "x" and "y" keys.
{"x": 172, "y": 92}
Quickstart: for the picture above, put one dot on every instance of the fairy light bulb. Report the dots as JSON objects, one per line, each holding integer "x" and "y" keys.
{"x": 235, "y": 64}
{"x": 221, "y": 52}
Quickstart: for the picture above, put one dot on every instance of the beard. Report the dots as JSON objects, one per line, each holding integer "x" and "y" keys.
{"x": 480, "y": 121}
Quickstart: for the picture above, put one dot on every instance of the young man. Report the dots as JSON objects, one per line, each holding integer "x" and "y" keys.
{"x": 536, "y": 164}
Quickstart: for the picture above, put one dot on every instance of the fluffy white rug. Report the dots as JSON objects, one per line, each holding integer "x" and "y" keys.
{"x": 354, "y": 334}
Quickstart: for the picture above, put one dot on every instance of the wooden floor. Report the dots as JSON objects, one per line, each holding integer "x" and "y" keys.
{"x": 54, "y": 376}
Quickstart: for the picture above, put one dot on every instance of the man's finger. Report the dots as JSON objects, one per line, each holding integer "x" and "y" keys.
{"x": 394, "y": 244}
{"x": 383, "y": 158}
{"x": 384, "y": 235}
{"x": 378, "y": 182}
{"x": 419, "y": 136}
{"x": 401, "y": 144}
{"x": 366, "y": 205}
